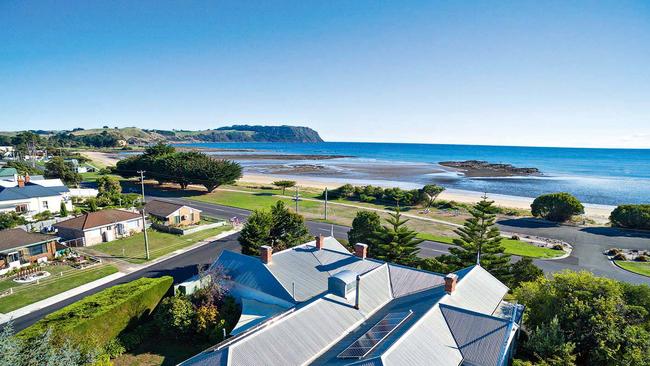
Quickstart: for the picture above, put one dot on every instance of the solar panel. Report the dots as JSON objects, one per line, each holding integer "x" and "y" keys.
{"x": 371, "y": 339}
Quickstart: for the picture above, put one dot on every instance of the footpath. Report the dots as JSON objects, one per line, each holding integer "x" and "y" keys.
{"x": 124, "y": 267}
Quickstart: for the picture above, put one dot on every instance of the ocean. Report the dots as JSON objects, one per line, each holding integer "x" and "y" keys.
{"x": 597, "y": 176}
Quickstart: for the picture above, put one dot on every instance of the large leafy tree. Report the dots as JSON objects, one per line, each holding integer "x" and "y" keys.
{"x": 395, "y": 242}
{"x": 9, "y": 220}
{"x": 364, "y": 225}
{"x": 605, "y": 319}
{"x": 479, "y": 241}
{"x": 288, "y": 229}
{"x": 558, "y": 207}
{"x": 58, "y": 168}
{"x": 278, "y": 227}
{"x": 212, "y": 173}
{"x": 256, "y": 232}
{"x": 108, "y": 186}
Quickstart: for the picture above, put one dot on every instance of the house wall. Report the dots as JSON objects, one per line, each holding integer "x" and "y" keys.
{"x": 69, "y": 234}
{"x": 38, "y": 205}
{"x": 185, "y": 213}
{"x": 110, "y": 232}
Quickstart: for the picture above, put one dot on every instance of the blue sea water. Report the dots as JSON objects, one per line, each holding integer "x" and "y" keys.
{"x": 599, "y": 176}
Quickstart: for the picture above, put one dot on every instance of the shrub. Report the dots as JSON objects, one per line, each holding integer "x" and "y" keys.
{"x": 96, "y": 319}
{"x": 557, "y": 207}
{"x": 631, "y": 217}
{"x": 175, "y": 316}
{"x": 613, "y": 251}
{"x": 558, "y": 247}
{"x": 114, "y": 348}
{"x": 515, "y": 237}
{"x": 642, "y": 258}
{"x": 620, "y": 257}
{"x": 45, "y": 215}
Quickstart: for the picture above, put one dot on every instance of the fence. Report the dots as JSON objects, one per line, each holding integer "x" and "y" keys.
{"x": 74, "y": 243}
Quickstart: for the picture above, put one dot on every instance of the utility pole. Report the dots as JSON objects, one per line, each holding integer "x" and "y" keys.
{"x": 325, "y": 203}
{"x": 296, "y": 199}
{"x": 144, "y": 219}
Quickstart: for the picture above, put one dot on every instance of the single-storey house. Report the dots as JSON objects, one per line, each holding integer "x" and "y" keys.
{"x": 8, "y": 174}
{"x": 20, "y": 248}
{"x": 100, "y": 226}
{"x": 30, "y": 197}
{"x": 173, "y": 214}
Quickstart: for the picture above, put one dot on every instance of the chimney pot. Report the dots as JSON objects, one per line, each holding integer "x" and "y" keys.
{"x": 361, "y": 250}
{"x": 26, "y": 178}
{"x": 266, "y": 252}
{"x": 21, "y": 182}
{"x": 450, "y": 283}
{"x": 319, "y": 242}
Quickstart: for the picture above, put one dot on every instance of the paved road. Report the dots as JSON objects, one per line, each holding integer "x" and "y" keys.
{"x": 587, "y": 255}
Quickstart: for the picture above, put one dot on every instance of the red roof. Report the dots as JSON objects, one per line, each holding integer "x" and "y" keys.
{"x": 98, "y": 219}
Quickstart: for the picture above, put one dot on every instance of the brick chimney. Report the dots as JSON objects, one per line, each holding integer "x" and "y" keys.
{"x": 21, "y": 182}
{"x": 450, "y": 282}
{"x": 26, "y": 178}
{"x": 266, "y": 252}
{"x": 361, "y": 250}
{"x": 319, "y": 242}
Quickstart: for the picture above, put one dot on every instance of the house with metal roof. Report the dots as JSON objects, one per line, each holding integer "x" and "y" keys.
{"x": 29, "y": 196}
{"x": 172, "y": 213}
{"x": 318, "y": 304}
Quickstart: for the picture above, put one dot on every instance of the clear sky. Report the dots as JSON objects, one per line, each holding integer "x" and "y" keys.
{"x": 565, "y": 73}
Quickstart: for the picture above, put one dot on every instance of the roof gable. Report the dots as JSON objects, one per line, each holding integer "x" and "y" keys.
{"x": 96, "y": 219}
{"x": 16, "y": 238}
{"x": 164, "y": 208}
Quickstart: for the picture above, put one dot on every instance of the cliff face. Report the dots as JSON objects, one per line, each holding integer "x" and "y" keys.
{"x": 264, "y": 134}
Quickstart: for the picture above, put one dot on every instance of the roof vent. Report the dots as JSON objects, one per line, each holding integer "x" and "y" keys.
{"x": 343, "y": 283}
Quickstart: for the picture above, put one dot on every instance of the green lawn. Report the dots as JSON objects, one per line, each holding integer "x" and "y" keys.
{"x": 642, "y": 268}
{"x": 523, "y": 249}
{"x": 131, "y": 249}
{"x": 252, "y": 201}
{"x": 27, "y": 294}
{"x": 93, "y": 176}
{"x": 514, "y": 247}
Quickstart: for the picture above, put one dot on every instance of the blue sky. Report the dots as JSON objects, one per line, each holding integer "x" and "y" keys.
{"x": 507, "y": 73}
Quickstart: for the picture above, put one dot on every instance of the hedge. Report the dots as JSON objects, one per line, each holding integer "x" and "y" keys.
{"x": 99, "y": 318}
{"x": 631, "y": 217}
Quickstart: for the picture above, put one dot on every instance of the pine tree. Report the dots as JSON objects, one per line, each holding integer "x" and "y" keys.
{"x": 256, "y": 232}
{"x": 395, "y": 242}
{"x": 63, "y": 210}
{"x": 480, "y": 242}
{"x": 10, "y": 346}
{"x": 288, "y": 229}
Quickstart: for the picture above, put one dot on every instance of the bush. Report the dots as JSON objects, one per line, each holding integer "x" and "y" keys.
{"x": 613, "y": 251}
{"x": 96, "y": 319}
{"x": 642, "y": 258}
{"x": 174, "y": 316}
{"x": 45, "y": 215}
{"x": 631, "y": 217}
{"x": 620, "y": 257}
{"x": 558, "y": 247}
{"x": 515, "y": 237}
{"x": 9, "y": 220}
{"x": 557, "y": 207}
{"x": 114, "y": 348}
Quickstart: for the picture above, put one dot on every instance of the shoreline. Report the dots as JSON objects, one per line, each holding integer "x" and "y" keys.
{"x": 598, "y": 213}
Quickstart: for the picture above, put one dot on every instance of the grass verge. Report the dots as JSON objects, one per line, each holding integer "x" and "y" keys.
{"x": 132, "y": 250}
{"x": 642, "y": 268}
{"x": 30, "y": 293}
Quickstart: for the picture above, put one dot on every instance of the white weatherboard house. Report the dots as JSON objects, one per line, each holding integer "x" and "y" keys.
{"x": 31, "y": 196}
{"x": 317, "y": 304}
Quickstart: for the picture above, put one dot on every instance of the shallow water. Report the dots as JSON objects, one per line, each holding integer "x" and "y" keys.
{"x": 601, "y": 176}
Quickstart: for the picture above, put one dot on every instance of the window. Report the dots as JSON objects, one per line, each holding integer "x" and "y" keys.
{"x": 192, "y": 217}
{"x": 45, "y": 205}
{"x": 177, "y": 219}
{"x": 36, "y": 249}
{"x": 21, "y": 208}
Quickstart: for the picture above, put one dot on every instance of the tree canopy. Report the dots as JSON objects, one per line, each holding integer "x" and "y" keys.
{"x": 58, "y": 168}
{"x": 480, "y": 241}
{"x": 557, "y": 207}
{"x": 395, "y": 242}
{"x": 278, "y": 227}
{"x": 631, "y": 217}
{"x": 284, "y": 184}
{"x": 364, "y": 225}
{"x": 598, "y": 320}
{"x": 162, "y": 163}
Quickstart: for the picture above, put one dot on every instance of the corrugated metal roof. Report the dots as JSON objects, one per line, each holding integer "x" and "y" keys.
{"x": 406, "y": 280}
{"x": 480, "y": 338}
{"x": 374, "y": 289}
{"x": 477, "y": 290}
{"x": 254, "y": 312}
{"x": 251, "y": 272}
{"x": 376, "y": 361}
{"x": 30, "y": 191}
{"x": 209, "y": 358}
{"x": 310, "y": 268}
